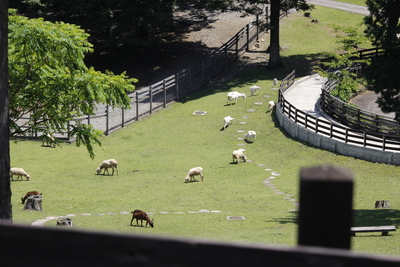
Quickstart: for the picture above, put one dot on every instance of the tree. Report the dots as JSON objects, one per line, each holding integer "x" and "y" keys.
{"x": 256, "y": 7}
{"x": 383, "y": 29}
{"x": 343, "y": 63}
{"x": 5, "y": 189}
{"x": 50, "y": 83}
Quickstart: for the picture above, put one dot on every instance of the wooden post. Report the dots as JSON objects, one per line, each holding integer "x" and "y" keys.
{"x": 151, "y": 99}
{"x": 165, "y": 93}
{"x": 107, "y": 120}
{"x": 325, "y": 214}
{"x": 123, "y": 117}
{"x": 137, "y": 105}
{"x": 247, "y": 37}
{"x": 176, "y": 87}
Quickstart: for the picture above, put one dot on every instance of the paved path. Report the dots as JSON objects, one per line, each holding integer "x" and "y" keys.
{"x": 362, "y": 10}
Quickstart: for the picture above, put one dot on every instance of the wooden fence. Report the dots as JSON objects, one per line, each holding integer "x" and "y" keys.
{"x": 324, "y": 238}
{"x": 173, "y": 88}
{"x": 353, "y": 116}
{"x": 322, "y": 126}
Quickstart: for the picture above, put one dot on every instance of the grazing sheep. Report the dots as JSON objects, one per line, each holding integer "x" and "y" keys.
{"x": 250, "y": 136}
{"x": 271, "y": 104}
{"x": 238, "y": 155}
{"x": 28, "y": 194}
{"x": 49, "y": 140}
{"x": 142, "y": 216}
{"x": 275, "y": 81}
{"x": 253, "y": 89}
{"x": 193, "y": 172}
{"x": 109, "y": 163}
{"x": 233, "y": 96}
{"x": 228, "y": 121}
{"x": 19, "y": 172}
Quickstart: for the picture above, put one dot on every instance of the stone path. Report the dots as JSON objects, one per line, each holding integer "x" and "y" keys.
{"x": 269, "y": 182}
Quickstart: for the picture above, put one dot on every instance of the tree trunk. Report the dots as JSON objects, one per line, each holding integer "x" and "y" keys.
{"x": 5, "y": 189}
{"x": 274, "y": 53}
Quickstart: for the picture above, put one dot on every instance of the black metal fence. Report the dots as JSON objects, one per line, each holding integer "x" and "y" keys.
{"x": 156, "y": 96}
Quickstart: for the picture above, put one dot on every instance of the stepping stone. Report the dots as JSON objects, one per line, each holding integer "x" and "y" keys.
{"x": 124, "y": 212}
{"x": 51, "y": 218}
{"x": 240, "y": 138}
{"x": 164, "y": 212}
{"x": 110, "y": 213}
{"x": 258, "y": 103}
{"x": 242, "y": 122}
{"x": 99, "y": 214}
{"x": 192, "y": 212}
{"x": 261, "y": 165}
{"x": 215, "y": 211}
{"x": 150, "y": 212}
{"x": 235, "y": 218}
{"x": 204, "y": 211}
{"x": 199, "y": 112}
{"x": 267, "y": 96}
{"x": 249, "y": 160}
{"x": 267, "y": 170}
{"x": 178, "y": 212}
{"x": 279, "y": 193}
{"x": 271, "y": 177}
{"x": 70, "y": 215}
{"x": 240, "y": 131}
{"x": 86, "y": 214}
{"x": 274, "y": 88}
{"x": 241, "y": 144}
{"x": 251, "y": 110}
{"x": 245, "y": 117}
{"x": 275, "y": 173}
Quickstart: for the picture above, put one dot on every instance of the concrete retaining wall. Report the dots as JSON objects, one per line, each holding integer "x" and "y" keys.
{"x": 335, "y": 146}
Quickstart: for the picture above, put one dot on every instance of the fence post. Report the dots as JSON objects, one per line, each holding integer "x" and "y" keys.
{"x": 107, "y": 120}
{"x": 151, "y": 99}
{"x": 88, "y": 119}
{"x": 236, "y": 45}
{"x": 247, "y": 37}
{"x": 326, "y": 199}
{"x": 137, "y": 105}
{"x": 123, "y": 117}
{"x": 176, "y": 87}
{"x": 165, "y": 93}
{"x": 257, "y": 27}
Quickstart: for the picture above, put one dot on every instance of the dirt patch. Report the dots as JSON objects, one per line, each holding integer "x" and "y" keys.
{"x": 195, "y": 41}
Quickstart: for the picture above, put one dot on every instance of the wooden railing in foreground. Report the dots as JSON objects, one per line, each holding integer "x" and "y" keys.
{"x": 336, "y": 131}
{"x": 324, "y": 239}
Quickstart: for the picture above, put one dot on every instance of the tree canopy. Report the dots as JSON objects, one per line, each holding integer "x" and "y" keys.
{"x": 50, "y": 83}
{"x": 383, "y": 29}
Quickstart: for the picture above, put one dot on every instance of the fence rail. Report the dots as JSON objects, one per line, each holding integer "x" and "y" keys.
{"x": 355, "y": 117}
{"x": 322, "y": 126}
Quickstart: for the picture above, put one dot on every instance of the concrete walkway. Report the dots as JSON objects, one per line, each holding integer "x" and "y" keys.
{"x": 356, "y": 9}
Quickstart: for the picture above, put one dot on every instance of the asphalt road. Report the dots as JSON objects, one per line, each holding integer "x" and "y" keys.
{"x": 362, "y": 10}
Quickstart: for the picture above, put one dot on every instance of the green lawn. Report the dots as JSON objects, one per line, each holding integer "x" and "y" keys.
{"x": 155, "y": 154}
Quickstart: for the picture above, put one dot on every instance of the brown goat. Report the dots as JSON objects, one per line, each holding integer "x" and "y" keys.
{"x": 28, "y": 194}
{"x": 142, "y": 216}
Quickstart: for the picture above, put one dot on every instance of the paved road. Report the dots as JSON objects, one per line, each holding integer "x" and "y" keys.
{"x": 362, "y": 10}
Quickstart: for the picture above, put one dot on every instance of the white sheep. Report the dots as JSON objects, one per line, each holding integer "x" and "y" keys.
{"x": 109, "y": 163}
{"x": 238, "y": 155}
{"x": 250, "y": 136}
{"x": 19, "y": 172}
{"x": 275, "y": 81}
{"x": 194, "y": 172}
{"x": 271, "y": 104}
{"x": 228, "y": 121}
{"x": 253, "y": 89}
{"x": 233, "y": 97}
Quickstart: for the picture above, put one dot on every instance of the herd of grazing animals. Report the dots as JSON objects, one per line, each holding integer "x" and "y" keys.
{"x": 237, "y": 156}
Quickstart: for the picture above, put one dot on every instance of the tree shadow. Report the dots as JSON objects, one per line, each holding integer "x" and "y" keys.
{"x": 290, "y": 219}
{"x": 376, "y": 217}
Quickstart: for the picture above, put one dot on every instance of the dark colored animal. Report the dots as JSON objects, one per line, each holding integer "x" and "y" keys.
{"x": 28, "y": 194}
{"x": 142, "y": 216}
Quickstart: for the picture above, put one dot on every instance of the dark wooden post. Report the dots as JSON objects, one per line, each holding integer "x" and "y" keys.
{"x": 326, "y": 199}
{"x": 151, "y": 99}
{"x": 123, "y": 117}
{"x": 137, "y": 105}
{"x": 164, "y": 93}
{"x": 107, "y": 120}
{"x": 176, "y": 87}
{"x": 247, "y": 37}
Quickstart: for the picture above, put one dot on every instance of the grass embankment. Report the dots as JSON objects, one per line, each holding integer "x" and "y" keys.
{"x": 155, "y": 154}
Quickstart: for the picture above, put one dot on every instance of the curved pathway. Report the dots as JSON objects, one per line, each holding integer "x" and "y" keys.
{"x": 362, "y": 10}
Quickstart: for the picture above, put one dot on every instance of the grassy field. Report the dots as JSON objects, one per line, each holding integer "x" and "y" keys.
{"x": 155, "y": 154}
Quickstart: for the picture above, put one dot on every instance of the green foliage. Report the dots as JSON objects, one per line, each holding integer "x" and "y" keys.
{"x": 340, "y": 64}
{"x": 49, "y": 81}
{"x": 383, "y": 29}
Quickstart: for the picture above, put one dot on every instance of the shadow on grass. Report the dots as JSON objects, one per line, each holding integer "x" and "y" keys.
{"x": 376, "y": 217}
{"x": 291, "y": 218}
